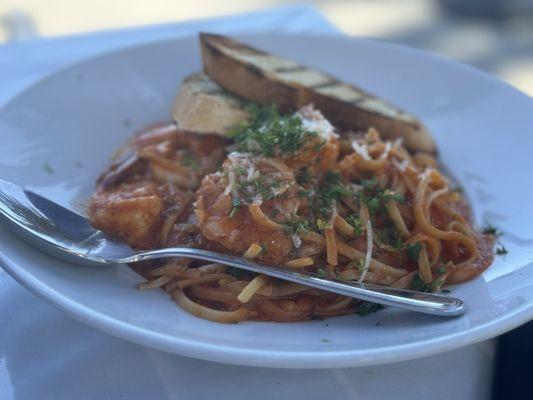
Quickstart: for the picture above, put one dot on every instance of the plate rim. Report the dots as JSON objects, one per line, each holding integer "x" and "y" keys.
{"x": 267, "y": 358}
{"x": 264, "y": 358}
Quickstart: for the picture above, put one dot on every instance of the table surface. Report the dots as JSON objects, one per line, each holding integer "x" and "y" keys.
{"x": 47, "y": 355}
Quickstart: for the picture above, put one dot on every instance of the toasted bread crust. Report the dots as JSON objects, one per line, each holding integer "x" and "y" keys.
{"x": 263, "y": 78}
{"x": 204, "y": 107}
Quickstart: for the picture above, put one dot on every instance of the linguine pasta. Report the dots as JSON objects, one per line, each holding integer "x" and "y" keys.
{"x": 339, "y": 204}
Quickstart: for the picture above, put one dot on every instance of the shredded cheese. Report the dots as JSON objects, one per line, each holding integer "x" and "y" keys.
{"x": 231, "y": 182}
{"x": 251, "y": 288}
{"x": 331, "y": 246}
{"x": 362, "y": 150}
{"x": 299, "y": 262}
{"x": 258, "y": 282}
{"x": 237, "y": 159}
{"x": 296, "y": 240}
{"x": 397, "y": 143}
{"x": 368, "y": 256}
{"x": 402, "y": 166}
{"x": 314, "y": 121}
{"x": 253, "y": 251}
{"x": 388, "y": 147}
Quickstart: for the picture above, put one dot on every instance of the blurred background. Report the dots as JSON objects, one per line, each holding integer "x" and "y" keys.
{"x": 493, "y": 35}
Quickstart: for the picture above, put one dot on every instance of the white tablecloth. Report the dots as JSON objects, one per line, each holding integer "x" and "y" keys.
{"x": 47, "y": 355}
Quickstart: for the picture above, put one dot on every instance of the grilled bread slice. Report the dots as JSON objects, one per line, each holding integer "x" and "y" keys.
{"x": 204, "y": 107}
{"x": 261, "y": 77}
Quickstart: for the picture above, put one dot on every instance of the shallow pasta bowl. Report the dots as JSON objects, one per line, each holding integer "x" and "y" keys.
{"x": 59, "y": 134}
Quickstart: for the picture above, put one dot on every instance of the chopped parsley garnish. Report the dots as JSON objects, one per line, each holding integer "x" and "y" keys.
{"x": 373, "y": 205}
{"x": 236, "y": 204}
{"x": 441, "y": 270}
{"x": 418, "y": 284}
{"x": 319, "y": 146}
{"x": 321, "y": 272}
{"x": 240, "y": 274}
{"x": 322, "y": 225}
{"x": 413, "y": 251}
{"x": 333, "y": 187}
{"x": 48, "y": 168}
{"x": 297, "y": 226}
{"x": 501, "y": 251}
{"x": 369, "y": 184}
{"x": 330, "y": 190}
{"x": 491, "y": 230}
{"x": 239, "y": 170}
{"x": 303, "y": 194}
{"x": 355, "y": 221}
{"x": 375, "y": 198}
{"x": 262, "y": 186}
{"x": 364, "y": 308}
{"x": 269, "y": 133}
{"x": 390, "y": 236}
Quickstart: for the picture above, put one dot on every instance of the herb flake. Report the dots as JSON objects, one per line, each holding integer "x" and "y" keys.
{"x": 365, "y": 308}
{"x": 330, "y": 190}
{"x": 501, "y": 250}
{"x": 375, "y": 198}
{"x": 240, "y": 274}
{"x": 491, "y": 230}
{"x": 355, "y": 222}
{"x": 296, "y": 226}
{"x": 413, "y": 251}
{"x": 270, "y": 134}
{"x": 236, "y": 205}
{"x": 48, "y": 168}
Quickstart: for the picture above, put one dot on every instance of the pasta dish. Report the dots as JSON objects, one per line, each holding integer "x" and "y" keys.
{"x": 283, "y": 185}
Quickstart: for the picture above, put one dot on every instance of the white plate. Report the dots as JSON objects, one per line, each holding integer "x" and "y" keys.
{"x": 73, "y": 121}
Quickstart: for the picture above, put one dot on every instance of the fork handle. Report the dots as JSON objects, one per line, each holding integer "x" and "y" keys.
{"x": 426, "y": 303}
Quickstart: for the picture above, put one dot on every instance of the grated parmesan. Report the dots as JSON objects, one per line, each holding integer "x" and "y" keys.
{"x": 402, "y": 166}
{"x": 314, "y": 121}
{"x": 388, "y": 147}
{"x": 362, "y": 150}
{"x": 296, "y": 240}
